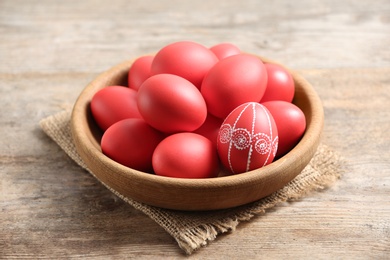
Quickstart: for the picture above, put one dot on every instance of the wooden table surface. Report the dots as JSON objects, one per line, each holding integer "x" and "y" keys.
{"x": 49, "y": 50}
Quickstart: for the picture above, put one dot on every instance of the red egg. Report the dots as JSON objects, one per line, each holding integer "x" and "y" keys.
{"x": 224, "y": 50}
{"x": 280, "y": 85}
{"x": 171, "y": 104}
{"x": 186, "y": 59}
{"x": 131, "y": 142}
{"x": 233, "y": 81}
{"x": 112, "y": 104}
{"x": 210, "y": 128}
{"x": 186, "y": 155}
{"x": 248, "y": 138}
{"x": 291, "y": 124}
{"x": 139, "y": 71}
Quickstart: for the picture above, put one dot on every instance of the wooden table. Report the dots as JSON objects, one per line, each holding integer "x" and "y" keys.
{"x": 49, "y": 50}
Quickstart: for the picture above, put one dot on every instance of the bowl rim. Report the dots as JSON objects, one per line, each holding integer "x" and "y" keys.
{"x": 89, "y": 152}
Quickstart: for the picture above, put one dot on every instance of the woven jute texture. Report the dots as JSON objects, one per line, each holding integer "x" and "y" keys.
{"x": 193, "y": 230}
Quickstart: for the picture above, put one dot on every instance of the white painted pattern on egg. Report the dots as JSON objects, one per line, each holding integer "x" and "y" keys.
{"x": 245, "y": 137}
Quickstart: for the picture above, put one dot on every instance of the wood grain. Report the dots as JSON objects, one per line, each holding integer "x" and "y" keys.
{"x": 50, "y": 50}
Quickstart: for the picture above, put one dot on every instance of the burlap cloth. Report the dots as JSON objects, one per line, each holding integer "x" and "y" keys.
{"x": 193, "y": 230}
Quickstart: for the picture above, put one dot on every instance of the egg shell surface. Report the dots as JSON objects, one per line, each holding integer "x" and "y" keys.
{"x": 224, "y": 50}
{"x": 186, "y": 59}
{"x": 112, "y": 104}
{"x": 186, "y": 155}
{"x": 140, "y": 71}
{"x": 210, "y": 128}
{"x": 291, "y": 124}
{"x": 280, "y": 84}
{"x": 248, "y": 138}
{"x": 233, "y": 81}
{"x": 131, "y": 142}
{"x": 171, "y": 104}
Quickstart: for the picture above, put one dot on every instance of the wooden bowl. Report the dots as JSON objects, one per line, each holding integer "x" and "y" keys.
{"x": 192, "y": 194}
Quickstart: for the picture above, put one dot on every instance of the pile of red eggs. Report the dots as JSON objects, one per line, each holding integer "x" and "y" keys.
{"x": 189, "y": 111}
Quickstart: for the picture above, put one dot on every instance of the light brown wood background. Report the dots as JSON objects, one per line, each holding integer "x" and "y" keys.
{"x": 49, "y": 50}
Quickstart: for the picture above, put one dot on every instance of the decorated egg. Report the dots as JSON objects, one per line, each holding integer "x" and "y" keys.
{"x": 171, "y": 104}
{"x": 248, "y": 138}
{"x": 139, "y": 71}
{"x": 233, "y": 81}
{"x": 186, "y": 59}
{"x": 291, "y": 124}
{"x": 280, "y": 84}
{"x": 131, "y": 142}
{"x": 112, "y": 104}
{"x": 186, "y": 155}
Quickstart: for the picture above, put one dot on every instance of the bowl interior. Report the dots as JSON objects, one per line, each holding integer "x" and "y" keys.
{"x": 192, "y": 194}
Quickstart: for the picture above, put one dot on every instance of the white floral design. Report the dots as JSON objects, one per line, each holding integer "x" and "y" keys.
{"x": 243, "y": 138}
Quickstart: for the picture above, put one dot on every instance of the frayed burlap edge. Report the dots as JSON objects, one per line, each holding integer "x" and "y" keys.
{"x": 323, "y": 170}
{"x": 192, "y": 230}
